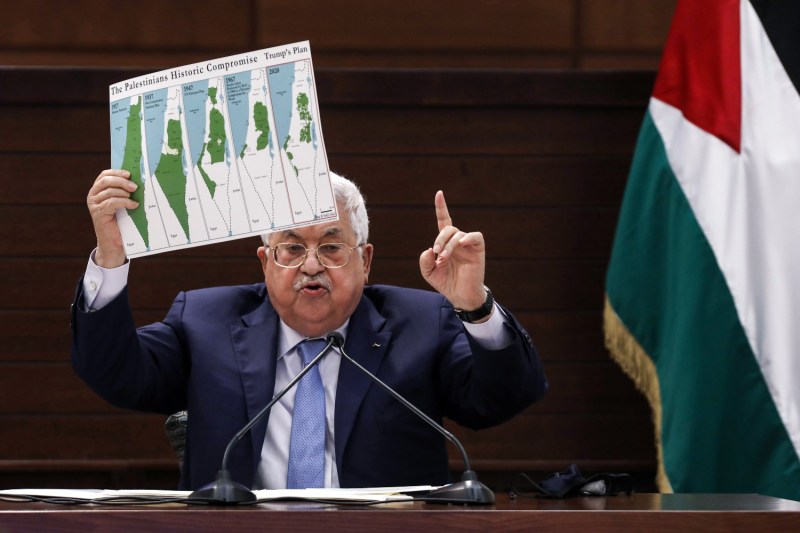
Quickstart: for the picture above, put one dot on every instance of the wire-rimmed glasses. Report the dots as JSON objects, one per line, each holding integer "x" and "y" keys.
{"x": 329, "y": 254}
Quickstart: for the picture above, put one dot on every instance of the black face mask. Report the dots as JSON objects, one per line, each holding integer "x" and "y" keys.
{"x": 571, "y": 482}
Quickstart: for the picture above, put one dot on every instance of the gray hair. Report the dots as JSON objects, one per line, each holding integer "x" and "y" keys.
{"x": 348, "y": 194}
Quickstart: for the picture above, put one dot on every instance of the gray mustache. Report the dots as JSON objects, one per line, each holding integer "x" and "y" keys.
{"x": 317, "y": 279}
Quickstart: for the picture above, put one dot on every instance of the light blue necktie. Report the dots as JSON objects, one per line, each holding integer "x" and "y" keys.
{"x": 307, "y": 444}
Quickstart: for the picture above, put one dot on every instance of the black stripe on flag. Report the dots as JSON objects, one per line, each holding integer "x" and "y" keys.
{"x": 781, "y": 21}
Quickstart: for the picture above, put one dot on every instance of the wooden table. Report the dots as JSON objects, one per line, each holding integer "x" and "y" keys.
{"x": 640, "y": 512}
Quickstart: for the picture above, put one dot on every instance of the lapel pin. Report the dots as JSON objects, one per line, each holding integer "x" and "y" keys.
{"x": 376, "y": 345}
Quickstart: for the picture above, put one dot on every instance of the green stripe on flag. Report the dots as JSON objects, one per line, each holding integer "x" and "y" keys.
{"x": 721, "y": 431}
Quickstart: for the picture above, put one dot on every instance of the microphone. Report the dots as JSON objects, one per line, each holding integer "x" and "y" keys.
{"x": 226, "y": 491}
{"x": 469, "y": 490}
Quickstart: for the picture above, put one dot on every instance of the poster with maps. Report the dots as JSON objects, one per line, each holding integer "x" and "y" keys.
{"x": 221, "y": 150}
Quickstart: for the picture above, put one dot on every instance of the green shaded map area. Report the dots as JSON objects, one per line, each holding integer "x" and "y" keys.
{"x": 261, "y": 121}
{"x": 211, "y": 184}
{"x": 170, "y": 174}
{"x": 290, "y": 155}
{"x": 305, "y": 117}
{"x": 216, "y": 136}
{"x": 132, "y": 162}
{"x": 212, "y": 93}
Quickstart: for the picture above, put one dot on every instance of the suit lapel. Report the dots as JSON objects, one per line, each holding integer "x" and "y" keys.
{"x": 255, "y": 343}
{"x": 367, "y": 344}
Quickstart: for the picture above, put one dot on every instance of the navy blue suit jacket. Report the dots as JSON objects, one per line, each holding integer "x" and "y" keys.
{"x": 215, "y": 353}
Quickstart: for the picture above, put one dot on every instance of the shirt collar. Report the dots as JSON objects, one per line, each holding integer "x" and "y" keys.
{"x": 289, "y": 338}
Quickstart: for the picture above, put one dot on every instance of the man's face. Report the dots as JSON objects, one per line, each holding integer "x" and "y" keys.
{"x": 312, "y": 299}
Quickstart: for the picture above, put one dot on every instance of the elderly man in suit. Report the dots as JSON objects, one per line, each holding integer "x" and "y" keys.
{"x": 223, "y": 352}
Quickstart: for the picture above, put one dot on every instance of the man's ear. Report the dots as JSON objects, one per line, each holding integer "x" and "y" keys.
{"x": 366, "y": 257}
{"x": 262, "y": 255}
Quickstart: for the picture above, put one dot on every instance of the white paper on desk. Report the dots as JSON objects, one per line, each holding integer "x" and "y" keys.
{"x": 94, "y": 494}
{"x": 356, "y": 495}
{"x": 359, "y": 494}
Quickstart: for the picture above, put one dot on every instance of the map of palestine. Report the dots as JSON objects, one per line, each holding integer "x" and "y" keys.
{"x": 222, "y": 149}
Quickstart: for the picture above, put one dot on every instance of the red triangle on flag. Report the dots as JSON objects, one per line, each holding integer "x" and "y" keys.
{"x": 700, "y": 71}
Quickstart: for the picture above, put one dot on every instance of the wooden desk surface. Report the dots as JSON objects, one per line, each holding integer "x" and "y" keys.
{"x": 640, "y": 512}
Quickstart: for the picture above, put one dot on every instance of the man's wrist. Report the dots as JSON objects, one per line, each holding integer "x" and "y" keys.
{"x": 479, "y": 314}
{"x": 109, "y": 258}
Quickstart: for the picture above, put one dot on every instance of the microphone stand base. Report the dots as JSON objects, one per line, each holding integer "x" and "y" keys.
{"x": 224, "y": 491}
{"x": 468, "y": 491}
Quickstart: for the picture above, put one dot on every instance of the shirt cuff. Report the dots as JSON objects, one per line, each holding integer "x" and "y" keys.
{"x": 102, "y": 285}
{"x": 492, "y": 334}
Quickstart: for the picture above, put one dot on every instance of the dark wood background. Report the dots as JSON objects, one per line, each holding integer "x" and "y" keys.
{"x": 536, "y": 160}
{"x": 583, "y": 34}
{"x": 415, "y": 96}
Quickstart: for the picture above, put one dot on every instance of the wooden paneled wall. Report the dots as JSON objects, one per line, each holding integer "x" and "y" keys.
{"x": 535, "y": 160}
{"x": 343, "y": 33}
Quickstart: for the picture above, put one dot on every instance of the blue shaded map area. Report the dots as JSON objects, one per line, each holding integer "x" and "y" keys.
{"x": 237, "y": 88}
{"x": 155, "y": 107}
{"x": 270, "y": 143}
{"x": 119, "y": 130}
{"x": 194, "y": 103}
{"x": 313, "y": 128}
{"x": 280, "y": 91}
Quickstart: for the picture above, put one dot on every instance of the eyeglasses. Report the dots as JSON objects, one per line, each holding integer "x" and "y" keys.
{"x": 330, "y": 254}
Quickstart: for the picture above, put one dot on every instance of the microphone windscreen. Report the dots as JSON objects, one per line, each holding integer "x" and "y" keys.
{"x": 336, "y": 337}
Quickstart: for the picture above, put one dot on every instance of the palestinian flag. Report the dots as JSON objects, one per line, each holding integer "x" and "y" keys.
{"x": 703, "y": 286}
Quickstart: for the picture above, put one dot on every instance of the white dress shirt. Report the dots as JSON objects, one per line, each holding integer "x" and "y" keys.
{"x": 274, "y": 466}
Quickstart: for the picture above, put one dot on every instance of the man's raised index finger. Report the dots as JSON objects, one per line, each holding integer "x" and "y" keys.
{"x": 442, "y": 215}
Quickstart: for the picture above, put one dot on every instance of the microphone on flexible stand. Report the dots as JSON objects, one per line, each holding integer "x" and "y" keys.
{"x": 469, "y": 490}
{"x": 226, "y": 491}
